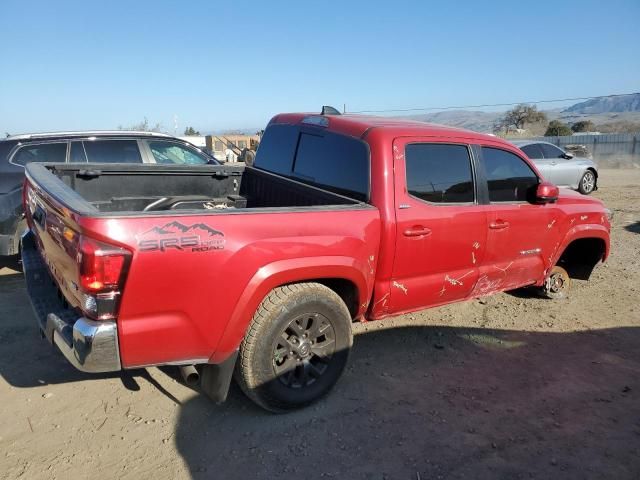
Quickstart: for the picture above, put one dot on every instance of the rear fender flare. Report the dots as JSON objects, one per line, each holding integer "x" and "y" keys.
{"x": 280, "y": 273}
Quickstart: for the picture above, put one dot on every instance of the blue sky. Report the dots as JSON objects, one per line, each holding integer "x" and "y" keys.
{"x": 227, "y": 65}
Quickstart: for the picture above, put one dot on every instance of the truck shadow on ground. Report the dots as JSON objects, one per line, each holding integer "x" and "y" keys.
{"x": 430, "y": 402}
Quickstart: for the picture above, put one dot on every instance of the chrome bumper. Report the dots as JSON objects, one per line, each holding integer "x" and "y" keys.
{"x": 88, "y": 345}
{"x": 93, "y": 347}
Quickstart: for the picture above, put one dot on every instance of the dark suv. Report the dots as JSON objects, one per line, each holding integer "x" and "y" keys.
{"x": 99, "y": 146}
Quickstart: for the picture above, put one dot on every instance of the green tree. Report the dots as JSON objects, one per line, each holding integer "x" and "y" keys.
{"x": 518, "y": 117}
{"x": 557, "y": 128}
{"x": 190, "y": 131}
{"x": 584, "y": 126}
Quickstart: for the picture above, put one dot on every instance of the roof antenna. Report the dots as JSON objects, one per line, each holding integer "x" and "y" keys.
{"x": 327, "y": 110}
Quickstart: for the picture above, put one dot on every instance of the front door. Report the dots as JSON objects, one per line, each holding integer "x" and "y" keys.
{"x": 441, "y": 228}
{"x": 520, "y": 232}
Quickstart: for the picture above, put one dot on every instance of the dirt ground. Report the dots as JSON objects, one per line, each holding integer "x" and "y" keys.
{"x": 511, "y": 386}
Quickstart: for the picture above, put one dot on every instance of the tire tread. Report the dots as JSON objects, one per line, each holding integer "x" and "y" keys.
{"x": 268, "y": 308}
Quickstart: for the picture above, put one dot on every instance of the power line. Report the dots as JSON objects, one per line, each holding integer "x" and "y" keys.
{"x": 493, "y": 104}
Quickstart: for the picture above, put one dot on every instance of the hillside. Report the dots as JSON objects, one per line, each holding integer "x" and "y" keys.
{"x": 603, "y": 111}
{"x": 625, "y": 103}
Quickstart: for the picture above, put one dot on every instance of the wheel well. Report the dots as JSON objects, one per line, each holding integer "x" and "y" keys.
{"x": 581, "y": 256}
{"x": 595, "y": 172}
{"x": 345, "y": 289}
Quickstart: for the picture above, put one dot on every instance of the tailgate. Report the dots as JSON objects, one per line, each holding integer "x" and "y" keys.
{"x": 67, "y": 277}
{"x": 55, "y": 237}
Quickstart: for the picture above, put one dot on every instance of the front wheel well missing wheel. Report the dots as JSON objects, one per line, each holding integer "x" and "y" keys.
{"x": 581, "y": 256}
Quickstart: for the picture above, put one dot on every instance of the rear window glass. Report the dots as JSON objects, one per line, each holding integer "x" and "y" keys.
{"x": 277, "y": 148}
{"x": 112, "y": 151}
{"x": 439, "y": 173}
{"x": 44, "y": 152}
{"x": 334, "y": 162}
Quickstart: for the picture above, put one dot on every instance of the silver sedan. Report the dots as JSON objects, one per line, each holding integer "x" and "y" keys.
{"x": 560, "y": 167}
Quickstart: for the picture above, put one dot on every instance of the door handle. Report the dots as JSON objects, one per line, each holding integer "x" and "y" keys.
{"x": 498, "y": 225}
{"x": 417, "y": 231}
{"x": 553, "y": 163}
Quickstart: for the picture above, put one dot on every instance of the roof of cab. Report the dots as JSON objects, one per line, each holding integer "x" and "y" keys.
{"x": 360, "y": 125}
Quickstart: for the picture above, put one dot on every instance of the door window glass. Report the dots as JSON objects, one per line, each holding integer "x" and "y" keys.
{"x": 112, "y": 151}
{"x": 533, "y": 151}
{"x": 551, "y": 151}
{"x": 509, "y": 177}
{"x": 173, "y": 153}
{"x": 439, "y": 173}
{"x": 43, "y": 152}
{"x": 77, "y": 152}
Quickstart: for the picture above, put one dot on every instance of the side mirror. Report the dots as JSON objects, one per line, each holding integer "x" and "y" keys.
{"x": 547, "y": 193}
{"x": 567, "y": 156}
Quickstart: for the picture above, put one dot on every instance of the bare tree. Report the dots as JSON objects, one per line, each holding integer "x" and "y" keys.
{"x": 143, "y": 126}
{"x": 518, "y": 117}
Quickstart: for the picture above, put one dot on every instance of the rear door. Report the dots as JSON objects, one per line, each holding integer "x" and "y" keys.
{"x": 441, "y": 227}
{"x": 520, "y": 232}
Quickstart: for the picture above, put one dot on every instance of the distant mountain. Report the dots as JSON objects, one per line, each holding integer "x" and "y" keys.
{"x": 624, "y": 103}
{"x": 599, "y": 110}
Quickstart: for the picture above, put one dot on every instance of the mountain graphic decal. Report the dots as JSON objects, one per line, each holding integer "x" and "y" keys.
{"x": 175, "y": 227}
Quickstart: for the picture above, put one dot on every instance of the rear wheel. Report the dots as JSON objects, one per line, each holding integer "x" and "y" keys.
{"x": 587, "y": 182}
{"x": 557, "y": 284}
{"x": 296, "y": 347}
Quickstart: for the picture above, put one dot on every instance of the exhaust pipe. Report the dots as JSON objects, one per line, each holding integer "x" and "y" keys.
{"x": 190, "y": 375}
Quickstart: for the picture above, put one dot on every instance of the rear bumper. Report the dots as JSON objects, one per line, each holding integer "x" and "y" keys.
{"x": 88, "y": 345}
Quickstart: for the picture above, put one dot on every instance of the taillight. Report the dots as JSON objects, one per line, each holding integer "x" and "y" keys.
{"x": 101, "y": 266}
{"x": 102, "y": 270}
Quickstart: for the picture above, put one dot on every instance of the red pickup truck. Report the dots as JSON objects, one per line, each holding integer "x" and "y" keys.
{"x": 260, "y": 270}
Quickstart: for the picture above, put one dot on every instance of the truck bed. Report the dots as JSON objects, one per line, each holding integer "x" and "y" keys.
{"x": 195, "y": 273}
{"x": 132, "y": 189}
